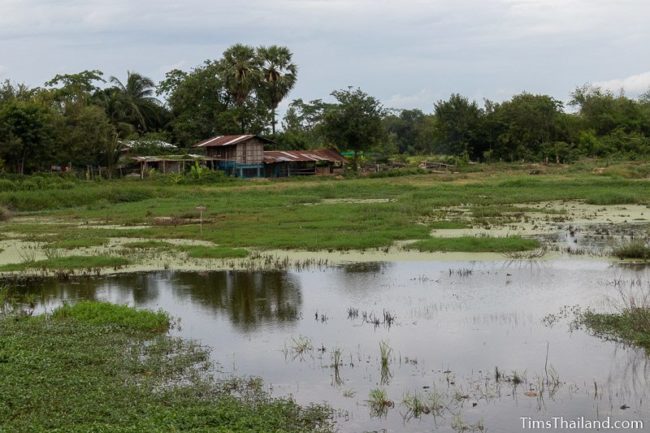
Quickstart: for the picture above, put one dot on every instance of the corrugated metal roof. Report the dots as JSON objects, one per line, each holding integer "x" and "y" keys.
{"x": 316, "y": 155}
{"x": 129, "y": 144}
{"x": 228, "y": 140}
{"x": 172, "y": 158}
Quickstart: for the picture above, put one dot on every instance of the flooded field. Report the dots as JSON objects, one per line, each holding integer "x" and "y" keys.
{"x": 406, "y": 346}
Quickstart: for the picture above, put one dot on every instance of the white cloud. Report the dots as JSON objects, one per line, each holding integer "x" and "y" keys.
{"x": 633, "y": 85}
{"x": 407, "y": 53}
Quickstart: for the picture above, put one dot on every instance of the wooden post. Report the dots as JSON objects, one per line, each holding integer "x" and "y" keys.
{"x": 201, "y": 209}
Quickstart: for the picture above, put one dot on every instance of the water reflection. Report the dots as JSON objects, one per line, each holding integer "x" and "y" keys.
{"x": 248, "y": 299}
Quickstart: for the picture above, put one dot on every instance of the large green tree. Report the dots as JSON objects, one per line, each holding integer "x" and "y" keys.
{"x": 26, "y": 135}
{"x": 410, "y": 131}
{"x": 524, "y": 124}
{"x": 241, "y": 71}
{"x": 354, "y": 122}
{"x": 303, "y": 125}
{"x": 458, "y": 126}
{"x": 133, "y": 102}
{"x": 279, "y": 75}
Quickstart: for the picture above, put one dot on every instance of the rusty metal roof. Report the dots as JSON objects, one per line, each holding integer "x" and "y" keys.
{"x": 316, "y": 155}
{"x": 228, "y": 140}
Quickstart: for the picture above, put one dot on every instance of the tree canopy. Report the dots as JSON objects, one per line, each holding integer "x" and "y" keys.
{"x": 81, "y": 119}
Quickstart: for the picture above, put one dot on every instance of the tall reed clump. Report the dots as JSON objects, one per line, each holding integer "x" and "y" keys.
{"x": 385, "y": 352}
{"x": 636, "y": 249}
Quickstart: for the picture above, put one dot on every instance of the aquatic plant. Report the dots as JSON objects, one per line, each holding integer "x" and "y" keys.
{"x": 337, "y": 363}
{"x": 379, "y": 403}
{"x": 389, "y": 318}
{"x": 141, "y": 381}
{"x": 460, "y": 426}
{"x": 300, "y": 346}
{"x": 517, "y": 377}
{"x": 385, "y": 352}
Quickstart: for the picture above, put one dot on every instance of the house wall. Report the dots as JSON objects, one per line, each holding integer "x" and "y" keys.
{"x": 248, "y": 152}
{"x": 222, "y": 152}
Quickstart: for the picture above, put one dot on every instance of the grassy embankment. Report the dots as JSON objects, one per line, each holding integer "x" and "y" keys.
{"x": 477, "y": 244}
{"x": 68, "y": 262}
{"x": 305, "y": 213}
{"x": 96, "y": 367}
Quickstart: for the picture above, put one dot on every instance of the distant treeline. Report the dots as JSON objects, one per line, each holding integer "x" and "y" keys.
{"x": 82, "y": 120}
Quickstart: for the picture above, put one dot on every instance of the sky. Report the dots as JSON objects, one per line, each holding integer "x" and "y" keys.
{"x": 406, "y": 53}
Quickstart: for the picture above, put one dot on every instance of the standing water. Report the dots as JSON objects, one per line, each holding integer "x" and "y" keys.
{"x": 444, "y": 346}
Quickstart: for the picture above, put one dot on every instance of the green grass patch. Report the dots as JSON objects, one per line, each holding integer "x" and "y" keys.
{"x": 149, "y": 245}
{"x": 68, "y": 263}
{"x": 612, "y": 198}
{"x": 205, "y": 252}
{"x": 104, "y": 313}
{"x": 475, "y": 244}
{"x": 272, "y": 215}
{"x": 78, "y": 372}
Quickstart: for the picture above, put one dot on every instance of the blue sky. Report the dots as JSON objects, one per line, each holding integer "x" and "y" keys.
{"x": 407, "y": 53}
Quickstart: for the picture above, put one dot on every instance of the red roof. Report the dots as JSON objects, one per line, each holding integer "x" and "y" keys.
{"x": 275, "y": 156}
{"x": 228, "y": 140}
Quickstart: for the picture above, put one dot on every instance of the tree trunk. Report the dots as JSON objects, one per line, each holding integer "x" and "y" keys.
{"x": 273, "y": 121}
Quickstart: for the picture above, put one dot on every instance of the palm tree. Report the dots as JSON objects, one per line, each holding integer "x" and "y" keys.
{"x": 279, "y": 76}
{"x": 133, "y": 102}
{"x": 241, "y": 70}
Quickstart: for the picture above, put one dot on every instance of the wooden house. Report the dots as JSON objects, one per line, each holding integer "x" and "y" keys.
{"x": 240, "y": 155}
{"x": 244, "y": 156}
